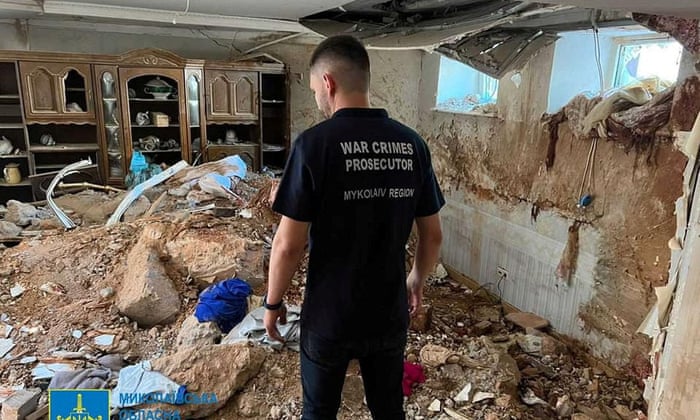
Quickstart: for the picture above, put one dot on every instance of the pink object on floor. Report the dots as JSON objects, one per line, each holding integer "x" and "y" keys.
{"x": 412, "y": 374}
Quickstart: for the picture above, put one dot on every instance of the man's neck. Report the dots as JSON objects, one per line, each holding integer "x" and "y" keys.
{"x": 354, "y": 100}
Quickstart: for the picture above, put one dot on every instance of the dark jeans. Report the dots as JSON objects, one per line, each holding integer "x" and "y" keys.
{"x": 324, "y": 364}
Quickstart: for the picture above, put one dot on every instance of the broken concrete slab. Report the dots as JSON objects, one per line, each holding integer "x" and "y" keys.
{"x": 527, "y": 320}
{"x": 147, "y": 295}
{"x": 20, "y": 404}
{"x": 215, "y": 258}
{"x": 222, "y": 369}
{"x": 195, "y": 333}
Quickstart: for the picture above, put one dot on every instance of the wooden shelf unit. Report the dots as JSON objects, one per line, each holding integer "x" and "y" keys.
{"x": 88, "y": 103}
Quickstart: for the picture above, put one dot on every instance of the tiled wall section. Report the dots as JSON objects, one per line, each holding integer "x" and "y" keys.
{"x": 478, "y": 241}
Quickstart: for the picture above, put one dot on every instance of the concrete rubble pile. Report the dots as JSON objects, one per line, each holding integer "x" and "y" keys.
{"x": 86, "y": 308}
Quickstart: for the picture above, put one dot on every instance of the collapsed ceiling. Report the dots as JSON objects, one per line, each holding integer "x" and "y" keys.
{"x": 493, "y": 36}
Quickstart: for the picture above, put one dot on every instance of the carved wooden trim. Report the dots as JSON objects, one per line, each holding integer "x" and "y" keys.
{"x": 152, "y": 57}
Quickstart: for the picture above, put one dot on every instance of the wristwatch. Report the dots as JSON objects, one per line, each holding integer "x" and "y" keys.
{"x": 272, "y": 307}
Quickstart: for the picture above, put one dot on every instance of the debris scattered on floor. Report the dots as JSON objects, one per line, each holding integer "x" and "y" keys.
{"x": 101, "y": 305}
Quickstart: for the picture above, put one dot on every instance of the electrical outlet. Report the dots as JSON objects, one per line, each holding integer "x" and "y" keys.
{"x": 502, "y": 272}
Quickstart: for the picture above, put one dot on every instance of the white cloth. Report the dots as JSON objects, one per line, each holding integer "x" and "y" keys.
{"x": 252, "y": 328}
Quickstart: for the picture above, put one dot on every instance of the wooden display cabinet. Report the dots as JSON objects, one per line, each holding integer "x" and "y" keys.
{"x": 12, "y": 127}
{"x": 133, "y": 92}
{"x": 89, "y": 105}
{"x": 232, "y": 95}
{"x": 57, "y": 92}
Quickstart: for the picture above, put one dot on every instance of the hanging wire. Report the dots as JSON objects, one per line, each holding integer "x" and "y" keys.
{"x": 587, "y": 181}
{"x": 596, "y": 38}
{"x": 187, "y": 9}
{"x": 596, "y": 45}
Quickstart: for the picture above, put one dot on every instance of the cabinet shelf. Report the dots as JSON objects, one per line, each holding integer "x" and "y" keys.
{"x": 9, "y": 100}
{"x": 19, "y": 156}
{"x": 272, "y": 101}
{"x": 273, "y": 148}
{"x": 11, "y": 125}
{"x": 155, "y": 126}
{"x": 51, "y": 167}
{"x": 151, "y": 100}
{"x": 162, "y": 151}
{"x": 75, "y": 89}
{"x": 66, "y": 148}
{"x": 22, "y": 183}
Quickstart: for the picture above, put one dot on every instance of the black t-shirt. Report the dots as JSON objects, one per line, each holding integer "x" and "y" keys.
{"x": 360, "y": 179}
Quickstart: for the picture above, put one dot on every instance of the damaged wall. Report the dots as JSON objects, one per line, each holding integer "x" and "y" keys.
{"x": 398, "y": 95}
{"x": 495, "y": 181}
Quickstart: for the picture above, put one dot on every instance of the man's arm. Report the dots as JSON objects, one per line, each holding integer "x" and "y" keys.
{"x": 287, "y": 251}
{"x": 427, "y": 253}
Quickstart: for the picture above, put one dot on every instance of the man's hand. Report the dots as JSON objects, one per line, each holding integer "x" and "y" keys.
{"x": 414, "y": 285}
{"x": 270, "y": 322}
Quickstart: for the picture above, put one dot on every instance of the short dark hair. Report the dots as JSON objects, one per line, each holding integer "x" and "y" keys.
{"x": 346, "y": 54}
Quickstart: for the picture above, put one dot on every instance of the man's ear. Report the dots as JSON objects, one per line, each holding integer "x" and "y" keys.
{"x": 329, "y": 83}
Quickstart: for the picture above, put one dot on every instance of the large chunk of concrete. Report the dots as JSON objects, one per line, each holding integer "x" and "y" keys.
{"x": 20, "y": 404}
{"x": 147, "y": 295}
{"x": 212, "y": 258}
{"x": 527, "y": 320}
{"x": 221, "y": 369}
{"x": 195, "y": 333}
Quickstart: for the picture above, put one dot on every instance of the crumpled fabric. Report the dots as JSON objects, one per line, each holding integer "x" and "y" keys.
{"x": 412, "y": 374}
{"x": 224, "y": 303}
{"x": 141, "y": 379}
{"x": 92, "y": 378}
{"x": 252, "y": 328}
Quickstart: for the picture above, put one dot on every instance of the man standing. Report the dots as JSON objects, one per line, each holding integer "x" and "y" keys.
{"x": 353, "y": 185}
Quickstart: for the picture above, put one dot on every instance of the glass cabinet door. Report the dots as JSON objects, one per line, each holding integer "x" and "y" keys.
{"x": 196, "y": 132}
{"x": 113, "y": 134}
{"x": 76, "y": 92}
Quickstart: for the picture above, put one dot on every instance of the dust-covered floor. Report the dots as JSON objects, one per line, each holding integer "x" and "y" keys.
{"x": 60, "y": 292}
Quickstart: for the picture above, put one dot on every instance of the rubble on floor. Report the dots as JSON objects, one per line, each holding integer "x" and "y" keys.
{"x": 101, "y": 298}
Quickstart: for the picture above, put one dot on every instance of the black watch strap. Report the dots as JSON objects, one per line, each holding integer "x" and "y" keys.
{"x": 272, "y": 307}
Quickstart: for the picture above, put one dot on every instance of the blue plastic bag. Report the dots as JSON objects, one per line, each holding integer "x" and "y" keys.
{"x": 224, "y": 303}
{"x": 138, "y": 162}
